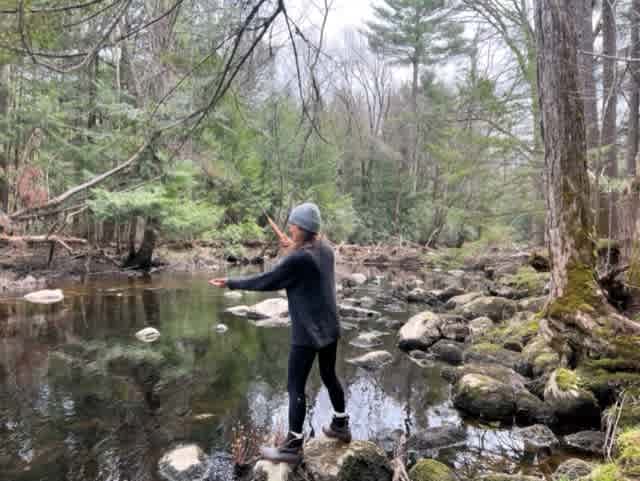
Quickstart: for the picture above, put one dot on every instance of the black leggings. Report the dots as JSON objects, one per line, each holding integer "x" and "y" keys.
{"x": 300, "y": 362}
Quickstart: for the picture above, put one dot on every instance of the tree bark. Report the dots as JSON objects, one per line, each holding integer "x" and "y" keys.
{"x": 584, "y": 9}
{"x": 634, "y": 87}
{"x": 4, "y": 149}
{"x": 578, "y": 319}
{"x": 609, "y": 111}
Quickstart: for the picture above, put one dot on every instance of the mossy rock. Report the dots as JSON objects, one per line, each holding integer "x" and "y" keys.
{"x": 605, "y": 472}
{"x": 527, "y": 279}
{"x": 431, "y": 470}
{"x": 508, "y": 477}
{"x": 629, "y": 449}
{"x": 568, "y": 399}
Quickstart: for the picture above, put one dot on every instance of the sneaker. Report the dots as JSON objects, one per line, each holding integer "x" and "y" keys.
{"x": 290, "y": 451}
{"x": 338, "y": 429}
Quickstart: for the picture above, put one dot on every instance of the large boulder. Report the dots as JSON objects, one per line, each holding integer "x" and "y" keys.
{"x": 495, "y": 308}
{"x": 420, "y": 331}
{"x": 331, "y": 460}
{"x": 479, "y": 326}
{"x": 572, "y": 470}
{"x": 372, "y": 360}
{"x": 268, "y": 309}
{"x": 183, "y": 463}
{"x": 492, "y": 399}
{"x": 457, "y": 302}
{"x": 448, "y": 351}
{"x": 431, "y": 470}
{"x": 421, "y": 296}
{"x": 589, "y": 442}
{"x": 269, "y": 471}
{"x": 568, "y": 399}
{"x": 532, "y": 304}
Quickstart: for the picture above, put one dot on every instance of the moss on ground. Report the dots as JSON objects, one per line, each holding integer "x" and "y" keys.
{"x": 629, "y": 448}
{"x": 566, "y": 379}
{"x": 527, "y": 278}
{"x": 605, "y": 472}
{"x": 581, "y": 294}
{"x": 431, "y": 470}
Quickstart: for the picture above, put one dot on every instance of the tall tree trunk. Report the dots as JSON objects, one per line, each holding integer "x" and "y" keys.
{"x": 609, "y": 110}
{"x": 142, "y": 258}
{"x": 584, "y": 10}
{"x": 4, "y": 149}
{"x": 578, "y": 318}
{"x": 634, "y": 87}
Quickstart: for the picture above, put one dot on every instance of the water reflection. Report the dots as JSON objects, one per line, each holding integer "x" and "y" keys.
{"x": 81, "y": 399}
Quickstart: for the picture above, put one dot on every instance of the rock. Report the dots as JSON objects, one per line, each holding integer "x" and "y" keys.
{"x": 484, "y": 397}
{"x": 508, "y": 477}
{"x": 269, "y": 471}
{"x": 148, "y": 334}
{"x": 538, "y": 438}
{"x": 233, "y": 294}
{"x": 357, "y": 312}
{"x": 330, "y": 460}
{"x": 45, "y": 296}
{"x": 438, "y": 437}
{"x": 221, "y": 328}
{"x": 268, "y": 309}
{"x": 431, "y": 470}
{"x": 419, "y": 295}
{"x": 492, "y": 399}
{"x": 540, "y": 357}
{"x": 567, "y": 399}
{"x": 479, "y": 326}
{"x": 240, "y": 311}
{"x": 454, "y": 330}
{"x": 504, "y": 374}
{"x": 420, "y": 331}
{"x": 449, "y": 292}
{"x": 413, "y": 283}
{"x": 532, "y": 304}
{"x": 353, "y": 280}
{"x": 184, "y": 463}
{"x": 272, "y": 322}
{"x": 448, "y": 351}
{"x": 493, "y": 354}
{"x": 372, "y": 360}
{"x": 221, "y": 467}
{"x": 457, "y": 302}
{"x": 368, "y": 340}
{"x": 572, "y": 470}
{"x": 366, "y": 302}
{"x": 495, "y": 308}
{"x": 591, "y": 442}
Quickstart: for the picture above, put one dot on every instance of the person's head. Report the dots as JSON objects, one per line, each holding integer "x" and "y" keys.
{"x": 304, "y": 223}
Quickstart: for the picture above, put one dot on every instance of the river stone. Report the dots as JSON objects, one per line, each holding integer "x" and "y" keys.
{"x": 479, "y": 326}
{"x": 540, "y": 357}
{"x": 569, "y": 400}
{"x": 453, "y": 329}
{"x": 331, "y": 460}
{"x": 354, "y": 312}
{"x": 484, "y": 397}
{"x": 372, "y": 360}
{"x": 269, "y": 309}
{"x": 431, "y": 470}
{"x": 457, "y": 302}
{"x": 437, "y": 437}
{"x": 233, "y": 294}
{"x": 504, "y": 374}
{"x": 268, "y": 471}
{"x": 148, "y": 334}
{"x": 448, "y": 351}
{"x": 443, "y": 295}
{"x": 367, "y": 340}
{"x": 495, "y": 308}
{"x": 221, "y": 328}
{"x": 493, "y": 354}
{"x": 572, "y": 470}
{"x": 355, "y": 279}
{"x": 184, "y": 463}
{"x": 419, "y": 295}
{"x": 537, "y": 437}
{"x": 532, "y": 304}
{"x": 240, "y": 311}
{"x": 420, "y": 331}
{"x": 591, "y": 442}
{"x": 508, "y": 477}
{"x": 45, "y": 296}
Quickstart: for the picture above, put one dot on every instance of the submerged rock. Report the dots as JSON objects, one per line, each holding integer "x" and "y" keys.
{"x": 495, "y": 308}
{"x": 572, "y": 470}
{"x": 538, "y": 438}
{"x": 590, "y": 442}
{"x": 148, "y": 334}
{"x": 268, "y": 471}
{"x": 420, "y": 331}
{"x": 268, "y": 309}
{"x": 233, "y": 294}
{"x": 45, "y": 296}
{"x": 438, "y": 437}
{"x": 357, "y": 312}
{"x": 330, "y": 460}
{"x": 372, "y": 360}
{"x": 457, "y": 302}
{"x": 240, "y": 311}
{"x": 184, "y": 463}
{"x": 368, "y": 340}
{"x": 221, "y": 328}
{"x": 431, "y": 470}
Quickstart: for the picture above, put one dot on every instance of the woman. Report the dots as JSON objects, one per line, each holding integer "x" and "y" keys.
{"x": 307, "y": 273}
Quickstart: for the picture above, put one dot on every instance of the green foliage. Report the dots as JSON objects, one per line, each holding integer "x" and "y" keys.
{"x": 237, "y": 233}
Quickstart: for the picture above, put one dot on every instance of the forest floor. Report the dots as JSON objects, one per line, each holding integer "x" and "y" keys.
{"x": 24, "y": 268}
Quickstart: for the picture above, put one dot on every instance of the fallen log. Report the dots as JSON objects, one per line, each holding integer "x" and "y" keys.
{"x": 42, "y": 239}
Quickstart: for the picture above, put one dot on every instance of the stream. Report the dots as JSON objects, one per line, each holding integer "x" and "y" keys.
{"x": 65, "y": 416}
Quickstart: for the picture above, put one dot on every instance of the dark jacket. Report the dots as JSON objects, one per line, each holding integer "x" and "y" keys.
{"x": 308, "y": 275}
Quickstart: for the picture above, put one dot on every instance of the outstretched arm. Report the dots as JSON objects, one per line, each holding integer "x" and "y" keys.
{"x": 283, "y": 275}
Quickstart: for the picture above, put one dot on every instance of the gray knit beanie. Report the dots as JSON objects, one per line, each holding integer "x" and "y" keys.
{"x": 306, "y": 216}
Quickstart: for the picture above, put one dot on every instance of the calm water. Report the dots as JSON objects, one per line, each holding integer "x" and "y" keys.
{"x": 71, "y": 410}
